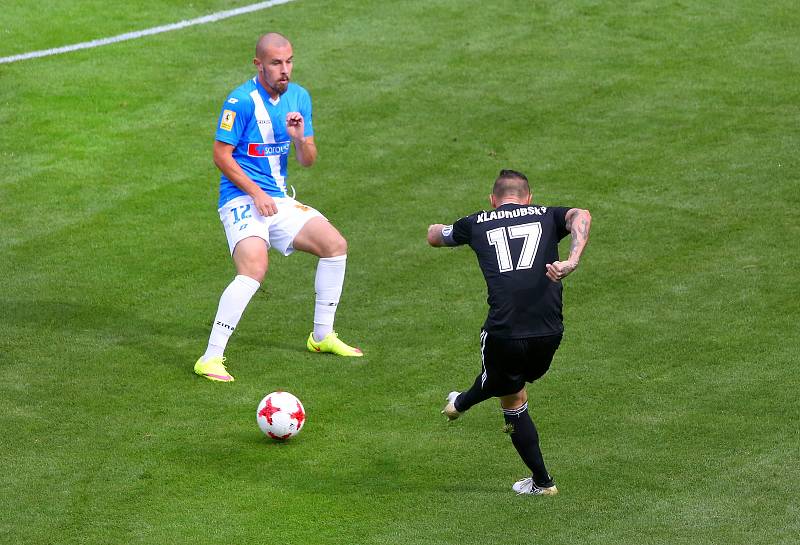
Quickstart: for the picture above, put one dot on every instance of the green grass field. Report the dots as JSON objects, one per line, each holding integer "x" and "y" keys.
{"x": 670, "y": 413}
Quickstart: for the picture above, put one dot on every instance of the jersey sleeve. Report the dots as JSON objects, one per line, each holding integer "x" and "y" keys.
{"x": 560, "y": 218}
{"x": 457, "y": 234}
{"x": 305, "y": 111}
{"x": 233, "y": 119}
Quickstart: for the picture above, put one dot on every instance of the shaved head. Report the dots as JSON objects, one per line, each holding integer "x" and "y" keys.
{"x": 511, "y": 184}
{"x": 271, "y": 39}
{"x": 274, "y": 58}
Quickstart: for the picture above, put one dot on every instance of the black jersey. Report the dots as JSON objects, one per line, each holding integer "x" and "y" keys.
{"x": 513, "y": 243}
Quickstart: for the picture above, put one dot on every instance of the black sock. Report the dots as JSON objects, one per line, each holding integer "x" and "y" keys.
{"x": 471, "y": 397}
{"x": 526, "y": 440}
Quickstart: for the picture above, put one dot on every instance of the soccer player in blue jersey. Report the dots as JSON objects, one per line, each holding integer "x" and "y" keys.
{"x": 260, "y": 121}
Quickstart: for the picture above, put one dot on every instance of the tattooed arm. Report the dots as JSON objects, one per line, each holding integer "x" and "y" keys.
{"x": 578, "y": 224}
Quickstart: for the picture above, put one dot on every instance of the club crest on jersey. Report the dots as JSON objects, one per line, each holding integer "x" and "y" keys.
{"x": 227, "y": 120}
{"x": 255, "y": 149}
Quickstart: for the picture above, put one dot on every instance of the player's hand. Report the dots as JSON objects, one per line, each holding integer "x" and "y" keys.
{"x": 559, "y": 269}
{"x": 265, "y": 204}
{"x": 295, "y": 125}
{"x": 435, "y": 234}
{"x": 435, "y": 228}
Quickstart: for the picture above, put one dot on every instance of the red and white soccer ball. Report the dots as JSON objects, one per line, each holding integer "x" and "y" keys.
{"x": 280, "y": 415}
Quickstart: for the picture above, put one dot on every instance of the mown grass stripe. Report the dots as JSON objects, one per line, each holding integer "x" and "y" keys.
{"x": 212, "y": 18}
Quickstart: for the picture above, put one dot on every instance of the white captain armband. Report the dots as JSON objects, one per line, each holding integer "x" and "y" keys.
{"x": 447, "y": 236}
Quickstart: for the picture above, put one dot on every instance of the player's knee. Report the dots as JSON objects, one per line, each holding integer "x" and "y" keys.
{"x": 250, "y": 258}
{"x": 258, "y": 275}
{"x": 515, "y": 400}
{"x": 341, "y": 246}
{"x": 254, "y": 271}
{"x": 335, "y": 246}
{"x": 254, "y": 268}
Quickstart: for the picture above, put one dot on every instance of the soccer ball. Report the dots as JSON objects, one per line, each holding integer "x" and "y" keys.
{"x": 280, "y": 415}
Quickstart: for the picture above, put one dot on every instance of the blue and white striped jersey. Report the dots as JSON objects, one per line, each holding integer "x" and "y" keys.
{"x": 256, "y": 126}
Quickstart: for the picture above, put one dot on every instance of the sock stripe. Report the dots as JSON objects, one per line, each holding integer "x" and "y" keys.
{"x": 483, "y": 365}
{"x": 516, "y": 412}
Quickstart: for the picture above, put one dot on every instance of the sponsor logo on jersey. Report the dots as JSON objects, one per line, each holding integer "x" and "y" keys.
{"x": 233, "y": 100}
{"x": 255, "y": 149}
{"x": 227, "y": 120}
{"x": 516, "y": 213}
{"x": 264, "y": 121}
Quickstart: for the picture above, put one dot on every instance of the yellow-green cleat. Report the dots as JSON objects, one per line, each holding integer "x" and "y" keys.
{"x": 332, "y": 344}
{"x": 213, "y": 369}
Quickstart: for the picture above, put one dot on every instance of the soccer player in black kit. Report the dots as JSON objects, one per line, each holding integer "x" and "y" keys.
{"x": 517, "y": 249}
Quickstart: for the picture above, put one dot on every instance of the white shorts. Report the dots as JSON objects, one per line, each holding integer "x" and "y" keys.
{"x": 241, "y": 220}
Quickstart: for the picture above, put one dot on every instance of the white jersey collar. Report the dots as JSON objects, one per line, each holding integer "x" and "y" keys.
{"x": 263, "y": 92}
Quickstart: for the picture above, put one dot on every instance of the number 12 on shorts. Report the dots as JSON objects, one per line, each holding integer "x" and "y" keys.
{"x": 245, "y": 213}
{"x": 530, "y": 232}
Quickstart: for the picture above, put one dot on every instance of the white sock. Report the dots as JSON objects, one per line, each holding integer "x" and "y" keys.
{"x": 231, "y": 306}
{"x": 328, "y": 285}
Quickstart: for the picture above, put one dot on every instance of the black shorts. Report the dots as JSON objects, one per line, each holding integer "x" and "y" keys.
{"x": 509, "y": 363}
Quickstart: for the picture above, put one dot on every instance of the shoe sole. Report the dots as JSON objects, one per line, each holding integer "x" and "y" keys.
{"x": 216, "y": 378}
{"x": 316, "y": 350}
{"x": 552, "y": 491}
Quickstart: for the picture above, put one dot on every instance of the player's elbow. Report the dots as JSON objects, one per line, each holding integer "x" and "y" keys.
{"x": 222, "y": 154}
{"x": 578, "y": 215}
{"x": 218, "y": 162}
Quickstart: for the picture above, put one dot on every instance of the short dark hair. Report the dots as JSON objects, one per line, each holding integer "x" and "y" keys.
{"x": 511, "y": 182}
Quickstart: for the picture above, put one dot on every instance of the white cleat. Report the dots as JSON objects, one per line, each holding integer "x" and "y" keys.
{"x": 528, "y": 487}
{"x": 450, "y": 409}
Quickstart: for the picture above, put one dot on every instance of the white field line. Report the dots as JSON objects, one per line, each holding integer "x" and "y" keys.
{"x": 218, "y": 16}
